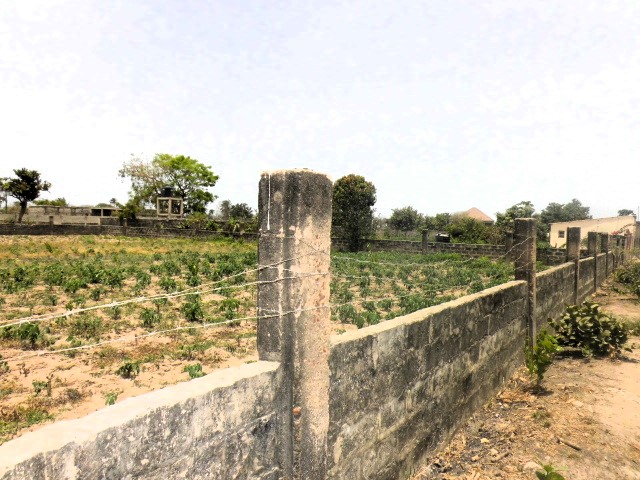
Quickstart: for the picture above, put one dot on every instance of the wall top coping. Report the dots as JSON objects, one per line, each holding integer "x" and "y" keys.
{"x": 552, "y": 270}
{"x": 419, "y": 315}
{"x": 80, "y": 430}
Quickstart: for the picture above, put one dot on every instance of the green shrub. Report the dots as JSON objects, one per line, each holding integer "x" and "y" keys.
{"x": 86, "y": 326}
{"x": 539, "y": 357}
{"x": 149, "y": 317}
{"x": 587, "y": 328}
{"x": 27, "y": 333}
{"x": 194, "y": 371}
{"x": 128, "y": 370}
{"x": 168, "y": 284}
{"x": 192, "y": 309}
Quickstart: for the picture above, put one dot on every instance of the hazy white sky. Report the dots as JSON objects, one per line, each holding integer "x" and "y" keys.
{"x": 442, "y": 104}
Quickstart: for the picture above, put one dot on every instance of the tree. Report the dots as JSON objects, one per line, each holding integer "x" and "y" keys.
{"x": 625, "y": 212}
{"x": 505, "y": 221}
{"x": 56, "y": 202}
{"x": 190, "y": 179}
{"x": 25, "y": 188}
{"x": 240, "y": 211}
{"x": 467, "y": 230}
{"x": 405, "y": 219}
{"x": 567, "y": 212}
{"x": 353, "y": 201}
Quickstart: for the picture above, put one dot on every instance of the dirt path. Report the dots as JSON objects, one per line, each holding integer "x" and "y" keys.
{"x": 587, "y": 424}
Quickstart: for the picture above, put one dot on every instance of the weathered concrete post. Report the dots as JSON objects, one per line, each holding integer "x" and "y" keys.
{"x": 604, "y": 248}
{"x": 592, "y": 250}
{"x": 525, "y": 266}
{"x": 294, "y": 209}
{"x": 508, "y": 246}
{"x": 573, "y": 255}
{"x": 425, "y": 240}
{"x": 50, "y": 224}
{"x": 628, "y": 241}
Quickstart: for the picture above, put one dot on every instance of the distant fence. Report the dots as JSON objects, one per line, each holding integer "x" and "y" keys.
{"x": 367, "y": 404}
{"x": 548, "y": 256}
{"x": 125, "y": 231}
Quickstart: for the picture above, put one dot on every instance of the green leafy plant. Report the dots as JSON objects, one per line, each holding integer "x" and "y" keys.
{"x": 149, "y": 317}
{"x": 110, "y": 398}
{"x": 548, "y": 472}
{"x": 192, "y": 309}
{"x": 587, "y": 328}
{"x": 538, "y": 358}
{"x": 128, "y": 369}
{"x": 194, "y": 371}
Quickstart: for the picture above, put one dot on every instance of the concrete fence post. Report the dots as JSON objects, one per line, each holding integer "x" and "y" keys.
{"x": 425, "y": 240}
{"x": 294, "y": 208}
{"x": 525, "y": 267}
{"x": 573, "y": 255}
{"x": 592, "y": 250}
{"x": 604, "y": 248}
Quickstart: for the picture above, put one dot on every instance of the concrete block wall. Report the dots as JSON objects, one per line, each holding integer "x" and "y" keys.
{"x": 601, "y": 268}
{"x": 222, "y": 425}
{"x": 555, "y": 290}
{"x": 116, "y": 230}
{"x": 586, "y": 278}
{"x": 401, "y": 388}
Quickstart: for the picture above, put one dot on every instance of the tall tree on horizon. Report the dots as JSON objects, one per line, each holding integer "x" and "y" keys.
{"x": 25, "y": 188}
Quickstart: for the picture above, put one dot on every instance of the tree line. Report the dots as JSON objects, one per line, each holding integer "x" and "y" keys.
{"x": 354, "y": 199}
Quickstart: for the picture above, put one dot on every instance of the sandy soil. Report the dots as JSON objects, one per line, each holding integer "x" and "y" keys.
{"x": 586, "y": 424}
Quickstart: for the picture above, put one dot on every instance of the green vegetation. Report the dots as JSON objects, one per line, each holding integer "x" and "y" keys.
{"x": 25, "y": 187}
{"x": 592, "y": 331}
{"x": 189, "y": 178}
{"x": 369, "y": 287}
{"x": 538, "y": 358}
{"x": 548, "y": 472}
{"x": 194, "y": 371}
{"x": 353, "y": 201}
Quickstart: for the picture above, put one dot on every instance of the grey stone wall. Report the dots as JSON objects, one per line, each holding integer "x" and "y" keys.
{"x": 554, "y": 292}
{"x": 601, "y": 268}
{"x": 221, "y": 426}
{"x": 155, "y": 232}
{"x": 400, "y": 388}
{"x": 586, "y": 278}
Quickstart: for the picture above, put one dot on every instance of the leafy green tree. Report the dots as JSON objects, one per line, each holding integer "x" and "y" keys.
{"x": 467, "y": 230}
{"x": 505, "y": 221}
{"x": 441, "y": 220}
{"x": 625, "y": 212}
{"x": 241, "y": 211}
{"x": 405, "y": 219}
{"x": 25, "y": 188}
{"x": 567, "y": 212}
{"x": 353, "y": 201}
{"x": 57, "y": 202}
{"x": 190, "y": 179}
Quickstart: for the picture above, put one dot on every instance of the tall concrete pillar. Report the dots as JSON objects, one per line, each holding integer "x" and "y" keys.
{"x": 592, "y": 243}
{"x": 592, "y": 251}
{"x": 425, "y": 240}
{"x": 604, "y": 248}
{"x": 294, "y": 208}
{"x": 573, "y": 255}
{"x": 525, "y": 267}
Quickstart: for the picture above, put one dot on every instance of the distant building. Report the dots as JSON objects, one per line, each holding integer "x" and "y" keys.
{"x": 477, "y": 215}
{"x": 610, "y": 225}
{"x": 100, "y": 211}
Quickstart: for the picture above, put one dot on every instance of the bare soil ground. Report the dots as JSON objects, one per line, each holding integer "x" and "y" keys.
{"x": 586, "y": 424}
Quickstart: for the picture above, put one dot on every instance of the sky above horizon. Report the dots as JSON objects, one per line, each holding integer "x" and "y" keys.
{"x": 443, "y": 105}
